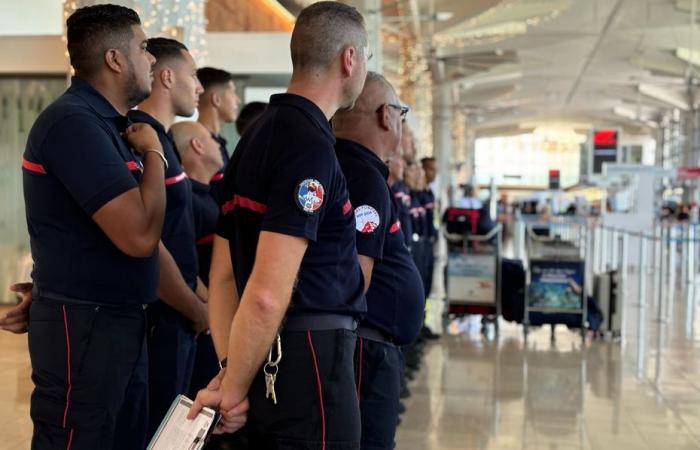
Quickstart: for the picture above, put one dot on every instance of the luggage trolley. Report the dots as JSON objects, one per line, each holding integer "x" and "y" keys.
{"x": 555, "y": 281}
{"x": 473, "y": 271}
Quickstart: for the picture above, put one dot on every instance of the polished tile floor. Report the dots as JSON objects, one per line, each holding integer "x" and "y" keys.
{"x": 477, "y": 392}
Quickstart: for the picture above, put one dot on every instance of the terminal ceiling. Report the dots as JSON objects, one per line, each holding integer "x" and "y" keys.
{"x": 517, "y": 64}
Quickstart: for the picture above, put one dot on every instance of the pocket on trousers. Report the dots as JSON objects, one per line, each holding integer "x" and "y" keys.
{"x": 60, "y": 340}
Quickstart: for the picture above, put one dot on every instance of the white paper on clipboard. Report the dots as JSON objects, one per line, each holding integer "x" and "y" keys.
{"x": 177, "y": 433}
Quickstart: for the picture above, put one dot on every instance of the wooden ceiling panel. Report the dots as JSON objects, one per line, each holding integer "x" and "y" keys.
{"x": 248, "y": 15}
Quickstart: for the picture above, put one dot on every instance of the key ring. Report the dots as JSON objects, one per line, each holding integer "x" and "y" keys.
{"x": 269, "y": 366}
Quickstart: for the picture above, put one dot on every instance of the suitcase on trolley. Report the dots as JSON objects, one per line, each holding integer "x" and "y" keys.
{"x": 512, "y": 289}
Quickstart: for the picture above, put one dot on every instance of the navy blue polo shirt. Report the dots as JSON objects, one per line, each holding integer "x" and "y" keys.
{"x": 284, "y": 177}
{"x": 402, "y": 201}
{"x": 395, "y": 300}
{"x": 178, "y": 227}
{"x": 206, "y": 214}
{"x": 215, "y": 182}
{"x": 75, "y": 162}
{"x": 427, "y": 201}
{"x": 418, "y": 220}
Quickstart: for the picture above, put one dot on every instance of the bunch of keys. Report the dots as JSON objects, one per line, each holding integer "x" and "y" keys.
{"x": 270, "y": 369}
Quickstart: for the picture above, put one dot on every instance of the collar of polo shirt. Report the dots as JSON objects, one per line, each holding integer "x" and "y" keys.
{"x": 93, "y": 98}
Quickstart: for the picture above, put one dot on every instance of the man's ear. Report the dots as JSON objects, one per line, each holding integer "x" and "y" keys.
{"x": 215, "y": 98}
{"x": 115, "y": 60}
{"x": 197, "y": 146}
{"x": 167, "y": 77}
{"x": 348, "y": 60}
{"x": 384, "y": 118}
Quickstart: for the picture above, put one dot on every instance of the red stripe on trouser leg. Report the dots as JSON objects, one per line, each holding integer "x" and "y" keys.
{"x": 360, "y": 358}
{"x": 70, "y": 439}
{"x": 68, "y": 377}
{"x": 320, "y": 390}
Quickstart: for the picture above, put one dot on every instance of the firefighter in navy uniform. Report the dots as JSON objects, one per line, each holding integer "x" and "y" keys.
{"x": 427, "y": 200}
{"x": 201, "y": 159}
{"x": 401, "y": 196}
{"x": 368, "y": 135}
{"x": 399, "y": 189}
{"x": 218, "y": 105}
{"x": 94, "y": 213}
{"x": 415, "y": 180}
{"x": 180, "y": 313}
{"x": 286, "y": 243}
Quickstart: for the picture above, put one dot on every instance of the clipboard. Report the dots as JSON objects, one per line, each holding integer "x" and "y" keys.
{"x": 175, "y": 432}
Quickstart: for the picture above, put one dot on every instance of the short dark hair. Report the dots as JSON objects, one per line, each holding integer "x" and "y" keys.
{"x": 248, "y": 115}
{"x": 213, "y": 77}
{"x": 322, "y": 30}
{"x": 165, "y": 49}
{"x": 426, "y": 160}
{"x": 92, "y": 30}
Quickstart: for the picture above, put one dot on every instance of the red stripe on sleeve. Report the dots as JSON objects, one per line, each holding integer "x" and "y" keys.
{"x": 205, "y": 239}
{"x": 176, "y": 179}
{"x": 243, "y": 202}
{"x": 33, "y": 167}
{"x": 133, "y": 165}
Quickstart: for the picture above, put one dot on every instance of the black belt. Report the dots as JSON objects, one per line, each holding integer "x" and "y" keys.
{"x": 373, "y": 334}
{"x": 319, "y": 322}
{"x": 44, "y": 295}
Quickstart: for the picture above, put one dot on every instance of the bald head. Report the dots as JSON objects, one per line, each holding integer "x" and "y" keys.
{"x": 376, "y": 93}
{"x": 199, "y": 151}
{"x": 374, "y": 121}
{"x": 184, "y": 132}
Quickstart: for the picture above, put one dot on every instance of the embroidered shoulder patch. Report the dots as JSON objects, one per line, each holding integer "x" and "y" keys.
{"x": 366, "y": 219}
{"x": 309, "y": 195}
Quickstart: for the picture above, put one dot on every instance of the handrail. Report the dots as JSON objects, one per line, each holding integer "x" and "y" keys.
{"x": 455, "y": 237}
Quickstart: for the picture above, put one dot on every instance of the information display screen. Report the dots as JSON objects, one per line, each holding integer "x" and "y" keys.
{"x": 605, "y": 148}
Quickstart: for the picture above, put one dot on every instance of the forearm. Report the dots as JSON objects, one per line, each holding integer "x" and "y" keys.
{"x": 223, "y": 303}
{"x": 172, "y": 288}
{"x": 223, "y": 295}
{"x": 366, "y": 265}
{"x": 260, "y": 316}
{"x": 202, "y": 291}
{"x": 152, "y": 189}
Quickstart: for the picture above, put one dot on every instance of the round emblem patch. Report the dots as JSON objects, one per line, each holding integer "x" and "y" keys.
{"x": 366, "y": 219}
{"x": 309, "y": 196}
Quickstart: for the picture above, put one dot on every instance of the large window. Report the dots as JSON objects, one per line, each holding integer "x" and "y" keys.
{"x": 525, "y": 160}
{"x": 21, "y": 101}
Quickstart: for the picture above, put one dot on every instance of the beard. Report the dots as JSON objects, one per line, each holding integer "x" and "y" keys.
{"x": 135, "y": 93}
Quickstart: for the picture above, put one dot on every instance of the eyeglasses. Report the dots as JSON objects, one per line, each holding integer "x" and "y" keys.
{"x": 403, "y": 110}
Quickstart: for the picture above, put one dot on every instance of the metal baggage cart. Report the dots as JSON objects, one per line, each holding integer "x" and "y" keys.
{"x": 473, "y": 272}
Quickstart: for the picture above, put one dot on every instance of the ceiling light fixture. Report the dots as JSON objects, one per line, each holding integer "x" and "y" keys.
{"x": 440, "y": 16}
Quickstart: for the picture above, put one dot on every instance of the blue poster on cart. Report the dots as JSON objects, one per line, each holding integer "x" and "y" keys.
{"x": 556, "y": 284}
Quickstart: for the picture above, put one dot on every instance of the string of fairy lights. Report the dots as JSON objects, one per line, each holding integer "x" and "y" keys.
{"x": 414, "y": 84}
{"x": 487, "y": 28}
{"x": 183, "y": 20}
